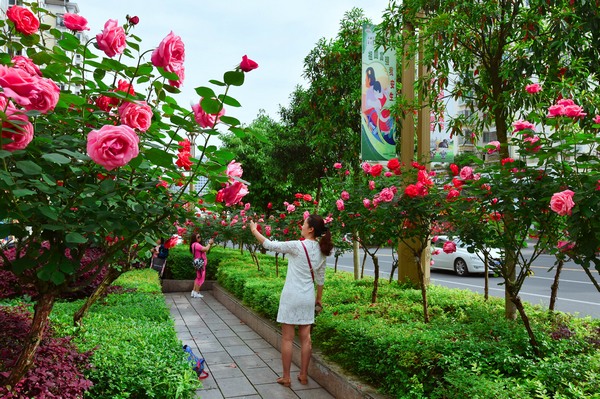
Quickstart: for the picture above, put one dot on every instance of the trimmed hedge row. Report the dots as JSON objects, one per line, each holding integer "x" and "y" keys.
{"x": 467, "y": 350}
{"x": 136, "y": 352}
{"x": 179, "y": 264}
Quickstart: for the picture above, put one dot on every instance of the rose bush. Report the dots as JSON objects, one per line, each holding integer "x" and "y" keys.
{"x": 96, "y": 163}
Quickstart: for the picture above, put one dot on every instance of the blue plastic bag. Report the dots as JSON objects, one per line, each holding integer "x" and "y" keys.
{"x": 198, "y": 363}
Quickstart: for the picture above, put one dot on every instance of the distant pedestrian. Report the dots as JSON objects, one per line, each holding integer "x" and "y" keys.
{"x": 199, "y": 252}
{"x": 297, "y": 303}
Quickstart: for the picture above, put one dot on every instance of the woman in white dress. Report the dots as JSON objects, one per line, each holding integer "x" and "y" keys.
{"x": 298, "y": 301}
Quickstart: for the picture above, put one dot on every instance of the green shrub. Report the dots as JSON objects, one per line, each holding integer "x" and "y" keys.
{"x": 136, "y": 350}
{"x": 179, "y": 263}
{"x": 468, "y": 349}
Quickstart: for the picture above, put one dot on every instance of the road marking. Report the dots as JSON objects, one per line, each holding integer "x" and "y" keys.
{"x": 521, "y": 293}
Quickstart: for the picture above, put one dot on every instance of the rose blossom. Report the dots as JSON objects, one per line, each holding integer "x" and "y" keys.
{"x": 112, "y": 146}
{"x": 232, "y": 193}
{"x": 345, "y": 196}
{"x": 562, "y": 202}
{"x": 133, "y": 20}
{"x": 112, "y": 39}
{"x": 533, "y": 88}
{"x": 366, "y": 167}
{"x": 184, "y": 160}
{"x": 376, "y": 170}
{"x": 247, "y": 64}
{"x": 466, "y": 173}
{"x": 22, "y": 62}
{"x": 366, "y": 203}
{"x": 531, "y": 141}
{"x": 453, "y": 193}
{"x": 25, "y": 21}
{"x": 29, "y": 91}
{"x": 339, "y": 204}
{"x": 597, "y": 119}
{"x": 234, "y": 169}
{"x": 522, "y": 125}
{"x": 170, "y": 53}
{"x": 136, "y": 115}
{"x": 454, "y": 168}
{"x": 75, "y": 22}
{"x": 371, "y": 185}
{"x": 17, "y": 128}
{"x": 495, "y": 147}
{"x": 565, "y": 246}
{"x": 412, "y": 190}
{"x": 203, "y": 119}
{"x": 337, "y": 165}
{"x": 449, "y": 247}
{"x": 386, "y": 195}
{"x": 393, "y": 164}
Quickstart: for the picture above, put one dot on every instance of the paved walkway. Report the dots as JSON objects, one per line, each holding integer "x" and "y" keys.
{"x": 241, "y": 364}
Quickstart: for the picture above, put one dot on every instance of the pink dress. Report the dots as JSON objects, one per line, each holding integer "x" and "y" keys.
{"x": 198, "y": 253}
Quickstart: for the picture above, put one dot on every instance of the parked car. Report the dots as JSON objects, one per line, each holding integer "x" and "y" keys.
{"x": 462, "y": 261}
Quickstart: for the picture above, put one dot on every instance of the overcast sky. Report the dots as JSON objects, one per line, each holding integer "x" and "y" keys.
{"x": 278, "y": 34}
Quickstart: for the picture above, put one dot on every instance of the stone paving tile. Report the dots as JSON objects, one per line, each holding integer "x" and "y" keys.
{"x": 257, "y": 344}
{"x": 246, "y": 335}
{"x": 275, "y": 391}
{"x": 238, "y": 350}
{"x": 217, "y": 357}
{"x": 249, "y": 362}
{"x": 214, "y": 393}
{"x": 260, "y": 375}
{"x": 219, "y": 371}
{"x": 226, "y": 333}
{"x": 237, "y": 386}
{"x": 230, "y": 340}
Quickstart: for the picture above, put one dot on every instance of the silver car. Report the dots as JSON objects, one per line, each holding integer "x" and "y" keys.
{"x": 462, "y": 261}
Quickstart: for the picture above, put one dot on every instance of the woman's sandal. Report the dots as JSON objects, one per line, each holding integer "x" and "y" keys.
{"x": 284, "y": 381}
{"x": 303, "y": 380}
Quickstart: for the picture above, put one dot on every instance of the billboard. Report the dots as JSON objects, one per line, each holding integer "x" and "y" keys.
{"x": 378, "y": 127}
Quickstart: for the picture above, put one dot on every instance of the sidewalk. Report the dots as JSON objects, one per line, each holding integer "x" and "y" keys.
{"x": 241, "y": 364}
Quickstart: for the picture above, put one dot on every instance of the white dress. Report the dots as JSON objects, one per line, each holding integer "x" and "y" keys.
{"x": 297, "y": 300}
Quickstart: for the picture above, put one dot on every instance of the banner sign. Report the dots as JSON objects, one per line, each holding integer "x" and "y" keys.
{"x": 378, "y": 132}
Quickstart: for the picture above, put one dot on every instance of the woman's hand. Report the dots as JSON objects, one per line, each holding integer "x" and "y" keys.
{"x": 252, "y": 226}
{"x": 211, "y": 241}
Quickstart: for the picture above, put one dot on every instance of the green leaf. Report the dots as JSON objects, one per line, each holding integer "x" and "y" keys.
{"x": 234, "y": 78}
{"x": 56, "y": 158}
{"x": 210, "y": 106}
{"x": 57, "y": 277}
{"x": 230, "y": 120}
{"x": 75, "y": 238}
{"x": 22, "y": 192}
{"x": 159, "y": 157}
{"x": 230, "y": 101}
{"x": 69, "y": 42}
{"x": 49, "y": 212}
{"x": 205, "y": 92}
{"x": 5, "y": 154}
{"x": 217, "y": 83}
{"x": 29, "y": 167}
{"x": 69, "y": 98}
{"x": 239, "y": 132}
{"x": 168, "y": 75}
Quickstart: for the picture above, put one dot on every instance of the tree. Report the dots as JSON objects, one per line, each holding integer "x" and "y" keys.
{"x": 96, "y": 159}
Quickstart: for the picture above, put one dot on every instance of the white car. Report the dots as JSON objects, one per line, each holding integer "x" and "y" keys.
{"x": 462, "y": 261}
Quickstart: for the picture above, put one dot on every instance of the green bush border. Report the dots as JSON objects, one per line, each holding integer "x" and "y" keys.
{"x": 136, "y": 350}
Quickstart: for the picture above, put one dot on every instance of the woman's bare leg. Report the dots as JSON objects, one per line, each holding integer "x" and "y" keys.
{"x": 305, "y": 350}
{"x": 287, "y": 342}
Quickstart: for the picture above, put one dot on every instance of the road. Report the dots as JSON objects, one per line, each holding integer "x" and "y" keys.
{"x": 576, "y": 293}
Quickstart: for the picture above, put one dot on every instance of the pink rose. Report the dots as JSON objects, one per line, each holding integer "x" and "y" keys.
{"x": 339, "y": 204}
{"x": 367, "y": 203}
{"x": 75, "y": 22}
{"x": 466, "y": 173}
{"x": 206, "y": 120}
{"x": 494, "y": 146}
{"x": 386, "y": 195}
{"x": 562, "y": 202}
{"x": 371, "y": 185}
{"x": 531, "y": 143}
{"x": 247, "y": 64}
{"x": 345, "y": 195}
{"x": 24, "y": 20}
{"x": 290, "y": 208}
{"x": 337, "y": 165}
{"x": 597, "y": 119}
{"x": 522, "y": 125}
{"x": 180, "y": 72}
{"x": 29, "y": 91}
{"x": 22, "y": 62}
{"x": 112, "y": 146}
{"x": 17, "y": 128}
{"x": 449, "y": 247}
{"x": 136, "y": 115}
{"x": 133, "y": 20}
{"x": 232, "y": 193}
{"x": 234, "y": 169}
{"x": 565, "y": 246}
{"x": 533, "y": 88}
{"x": 112, "y": 40}
{"x": 169, "y": 54}
{"x": 366, "y": 167}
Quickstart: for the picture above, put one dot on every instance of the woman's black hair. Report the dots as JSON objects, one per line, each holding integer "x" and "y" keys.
{"x": 193, "y": 240}
{"x": 320, "y": 230}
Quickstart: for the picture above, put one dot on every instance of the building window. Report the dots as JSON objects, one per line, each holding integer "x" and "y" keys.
{"x": 489, "y": 136}
{"x": 60, "y": 20}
